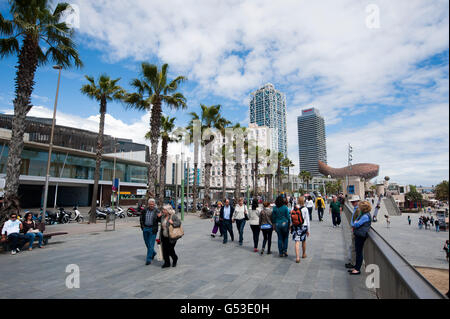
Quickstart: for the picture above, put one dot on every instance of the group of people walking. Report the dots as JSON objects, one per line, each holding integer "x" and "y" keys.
{"x": 424, "y": 220}
{"x": 265, "y": 220}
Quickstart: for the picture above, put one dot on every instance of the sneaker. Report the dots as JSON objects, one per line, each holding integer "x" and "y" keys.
{"x": 13, "y": 252}
{"x": 213, "y": 236}
{"x": 255, "y": 250}
{"x": 148, "y": 263}
{"x": 262, "y": 252}
{"x": 18, "y": 250}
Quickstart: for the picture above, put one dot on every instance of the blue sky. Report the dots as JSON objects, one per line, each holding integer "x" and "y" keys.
{"x": 383, "y": 89}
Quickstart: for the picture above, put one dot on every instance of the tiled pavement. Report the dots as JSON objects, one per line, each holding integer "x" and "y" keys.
{"x": 112, "y": 266}
{"x": 420, "y": 247}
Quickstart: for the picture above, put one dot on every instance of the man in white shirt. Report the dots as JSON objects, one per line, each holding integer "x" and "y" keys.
{"x": 11, "y": 230}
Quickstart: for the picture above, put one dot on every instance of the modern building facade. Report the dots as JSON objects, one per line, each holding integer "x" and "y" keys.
{"x": 311, "y": 141}
{"x": 261, "y": 137}
{"x": 268, "y": 109}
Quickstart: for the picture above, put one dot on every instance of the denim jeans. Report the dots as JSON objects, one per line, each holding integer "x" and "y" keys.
{"x": 283, "y": 237}
{"x": 31, "y": 236}
{"x": 359, "y": 245}
{"x": 240, "y": 223}
{"x": 149, "y": 239}
{"x": 16, "y": 240}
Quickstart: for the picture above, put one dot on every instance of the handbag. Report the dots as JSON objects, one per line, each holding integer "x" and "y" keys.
{"x": 245, "y": 213}
{"x": 175, "y": 232}
{"x": 159, "y": 255}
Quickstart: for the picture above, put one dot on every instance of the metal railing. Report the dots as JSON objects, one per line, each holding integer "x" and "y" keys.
{"x": 398, "y": 278}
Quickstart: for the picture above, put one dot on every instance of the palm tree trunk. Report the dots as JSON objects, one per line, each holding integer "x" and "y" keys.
{"x": 224, "y": 179}
{"x": 155, "y": 125}
{"x": 194, "y": 184}
{"x": 256, "y": 172}
{"x": 98, "y": 161}
{"x": 270, "y": 187}
{"x": 26, "y": 69}
{"x": 237, "y": 189}
{"x": 207, "y": 199}
{"x": 162, "y": 171}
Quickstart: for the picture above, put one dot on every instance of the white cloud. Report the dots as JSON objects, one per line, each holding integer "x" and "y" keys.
{"x": 232, "y": 47}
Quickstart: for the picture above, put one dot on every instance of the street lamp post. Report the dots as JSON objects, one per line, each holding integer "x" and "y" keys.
{"x": 182, "y": 186}
{"x": 50, "y": 147}
{"x": 188, "y": 181}
{"x": 114, "y": 173}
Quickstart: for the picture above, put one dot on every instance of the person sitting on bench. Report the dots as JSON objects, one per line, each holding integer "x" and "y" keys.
{"x": 12, "y": 228}
{"x": 31, "y": 230}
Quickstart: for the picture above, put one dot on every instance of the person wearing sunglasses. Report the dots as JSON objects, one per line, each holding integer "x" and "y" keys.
{"x": 12, "y": 230}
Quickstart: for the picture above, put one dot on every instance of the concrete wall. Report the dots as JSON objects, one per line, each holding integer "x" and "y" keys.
{"x": 398, "y": 278}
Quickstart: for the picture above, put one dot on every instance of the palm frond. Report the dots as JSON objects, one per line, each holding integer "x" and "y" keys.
{"x": 8, "y": 46}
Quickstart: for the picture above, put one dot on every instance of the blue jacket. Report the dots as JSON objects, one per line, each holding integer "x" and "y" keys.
{"x": 280, "y": 215}
{"x": 362, "y": 220}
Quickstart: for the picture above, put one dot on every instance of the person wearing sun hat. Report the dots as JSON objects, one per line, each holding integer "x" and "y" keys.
{"x": 354, "y": 200}
{"x": 361, "y": 226}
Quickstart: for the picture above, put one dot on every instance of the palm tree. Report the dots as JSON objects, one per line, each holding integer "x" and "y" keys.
{"x": 103, "y": 91}
{"x": 286, "y": 162}
{"x": 35, "y": 26}
{"x": 221, "y": 125}
{"x": 154, "y": 89}
{"x": 238, "y": 161}
{"x": 191, "y": 129}
{"x": 305, "y": 177}
{"x": 167, "y": 126}
{"x": 209, "y": 117}
{"x": 280, "y": 157}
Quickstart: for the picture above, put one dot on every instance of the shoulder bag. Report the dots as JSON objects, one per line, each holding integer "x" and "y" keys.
{"x": 175, "y": 232}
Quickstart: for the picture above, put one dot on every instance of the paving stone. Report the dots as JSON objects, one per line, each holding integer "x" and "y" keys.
{"x": 112, "y": 266}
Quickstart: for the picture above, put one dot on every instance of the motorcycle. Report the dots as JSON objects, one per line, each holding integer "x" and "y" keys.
{"x": 101, "y": 213}
{"x": 77, "y": 215}
{"x": 131, "y": 211}
{"x": 62, "y": 216}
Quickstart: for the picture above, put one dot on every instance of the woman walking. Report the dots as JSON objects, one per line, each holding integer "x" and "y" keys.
{"x": 216, "y": 220}
{"x": 254, "y": 223}
{"x": 265, "y": 223}
{"x": 361, "y": 227}
{"x": 300, "y": 227}
{"x": 309, "y": 206}
{"x": 31, "y": 231}
{"x": 239, "y": 215}
{"x": 281, "y": 220}
{"x": 168, "y": 219}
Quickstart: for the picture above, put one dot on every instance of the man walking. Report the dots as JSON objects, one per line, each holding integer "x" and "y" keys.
{"x": 335, "y": 211}
{"x": 149, "y": 224}
{"x": 320, "y": 205}
{"x": 226, "y": 213}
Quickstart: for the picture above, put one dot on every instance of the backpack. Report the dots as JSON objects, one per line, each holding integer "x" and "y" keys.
{"x": 297, "y": 217}
{"x": 319, "y": 203}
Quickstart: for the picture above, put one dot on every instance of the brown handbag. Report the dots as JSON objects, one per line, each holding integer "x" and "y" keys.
{"x": 176, "y": 232}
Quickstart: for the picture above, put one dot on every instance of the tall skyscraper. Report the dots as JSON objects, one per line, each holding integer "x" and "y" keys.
{"x": 268, "y": 108}
{"x": 311, "y": 141}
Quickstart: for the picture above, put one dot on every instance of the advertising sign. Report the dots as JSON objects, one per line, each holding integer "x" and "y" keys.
{"x": 115, "y": 185}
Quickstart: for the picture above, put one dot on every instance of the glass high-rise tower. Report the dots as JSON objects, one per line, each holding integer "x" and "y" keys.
{"x": 311, "y": 141}
{"x": 268, "y": 108}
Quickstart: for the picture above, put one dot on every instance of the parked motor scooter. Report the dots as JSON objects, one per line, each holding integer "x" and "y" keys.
{"x": 119, "y": 212}
{"x": 63, "y": 216}
{"x": 77, "y": 215}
